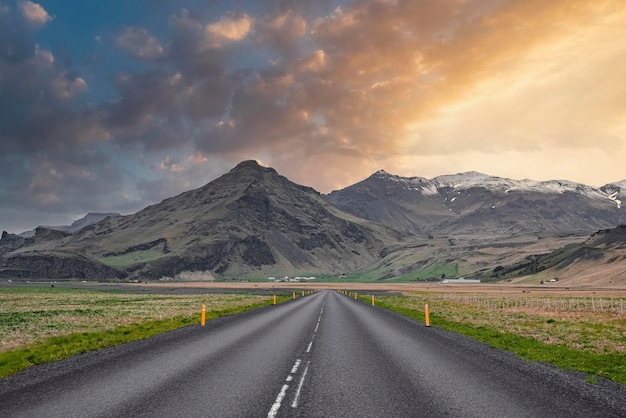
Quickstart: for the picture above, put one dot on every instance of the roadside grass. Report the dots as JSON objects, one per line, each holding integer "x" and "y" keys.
{"x": 40, "y": 325}
{"x": 590, "y": 342}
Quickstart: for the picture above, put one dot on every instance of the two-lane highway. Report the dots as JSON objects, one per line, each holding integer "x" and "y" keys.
{"x": 324, "y": 355}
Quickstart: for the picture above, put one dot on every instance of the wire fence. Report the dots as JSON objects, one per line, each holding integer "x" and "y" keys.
{"x": 614, "y": 305}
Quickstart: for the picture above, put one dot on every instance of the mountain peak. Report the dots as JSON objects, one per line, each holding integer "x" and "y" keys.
{"x": 381, "y": 173}
{"x": 251, "y": 166}
{"x": 247, "y": 164}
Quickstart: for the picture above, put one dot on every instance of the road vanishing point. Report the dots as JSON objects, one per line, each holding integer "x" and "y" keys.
{"x": 323, "y": 355}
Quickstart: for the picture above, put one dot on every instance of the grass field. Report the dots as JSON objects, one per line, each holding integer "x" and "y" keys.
{"x": 587, "y": 334}
{"x": 38, "y": 325}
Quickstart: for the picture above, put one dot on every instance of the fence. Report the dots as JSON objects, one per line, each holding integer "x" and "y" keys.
{"x": 568, "y": 304}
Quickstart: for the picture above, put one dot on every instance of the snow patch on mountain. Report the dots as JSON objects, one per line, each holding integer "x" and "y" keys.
{"x": 616, "y": 192}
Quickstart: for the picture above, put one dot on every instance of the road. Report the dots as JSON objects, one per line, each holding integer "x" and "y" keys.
{"x": 324, "y": 355}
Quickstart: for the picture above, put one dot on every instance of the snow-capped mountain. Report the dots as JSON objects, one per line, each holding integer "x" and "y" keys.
{"x": 616, "y": 191}
{"x": 474, "y": 202}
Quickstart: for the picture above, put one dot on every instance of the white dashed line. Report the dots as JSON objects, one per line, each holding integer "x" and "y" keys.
{"x": 294, "y": 370}
{"x": 279, "y": 399}
{"x": 297, "y": 397}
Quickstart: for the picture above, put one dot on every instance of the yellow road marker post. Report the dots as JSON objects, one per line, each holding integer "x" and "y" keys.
{"x": 294, "y": 295}
{"x": 355, "y": 295}
{"x": 372, "y": 300}
{"x": 203, "y": 317}
{"x": 427, "y": 315}
{"x": 274, "y": 299}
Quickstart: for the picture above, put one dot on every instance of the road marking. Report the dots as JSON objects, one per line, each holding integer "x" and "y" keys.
{"x": 294, "y": 369}
{"x": 296, "y": 398}
{"x": 279, "y": 399}
{"x": 283, "y": 391}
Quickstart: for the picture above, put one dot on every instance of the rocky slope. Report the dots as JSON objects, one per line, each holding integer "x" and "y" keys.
{"x": 477, "y": 204}
{"x": 251, "y": 221}
{"x": 89, "y": 219}
{"x": 598, "y": 260}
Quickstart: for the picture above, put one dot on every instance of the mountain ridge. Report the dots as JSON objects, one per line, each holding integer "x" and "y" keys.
{"x": 250, "y": 220}
{"x": 254, "y": 222}
{"x": 470, "y": 202}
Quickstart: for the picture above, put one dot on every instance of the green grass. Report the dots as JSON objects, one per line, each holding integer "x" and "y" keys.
{"x": 558, "y": 258}
{"x": 40, "y": 325}
{"x": 64, "y": 346}
{"x": 433, "y": 271}
{"x": 125, "y": 260}
{"x": 430, "y": 272}
{"x": 609, "y": 364}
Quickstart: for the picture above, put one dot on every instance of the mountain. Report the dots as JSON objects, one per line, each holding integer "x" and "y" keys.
{"x": 249, "y": 222}
{"x": 253, "y": 222}
{"x": 89, "y": 219}
{"x": 481, "y": 205}
{"x": 600, "y": 260}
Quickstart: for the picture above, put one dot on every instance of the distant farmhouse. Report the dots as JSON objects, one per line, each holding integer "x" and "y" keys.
{"x": 288, "y": 279}
{"x": 460, "y": 280}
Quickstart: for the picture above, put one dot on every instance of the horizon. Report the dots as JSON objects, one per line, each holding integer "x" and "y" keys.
{"x": 114, "y": 106}
{"x": 76, "y": 217}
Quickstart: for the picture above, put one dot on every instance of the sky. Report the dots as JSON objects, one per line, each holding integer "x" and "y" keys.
{"x": 110, "y": 106}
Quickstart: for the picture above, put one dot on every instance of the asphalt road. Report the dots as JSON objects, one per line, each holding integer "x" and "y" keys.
{"x": 324, "y": 355}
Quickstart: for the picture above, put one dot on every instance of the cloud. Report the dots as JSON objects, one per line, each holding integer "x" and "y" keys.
{"x": 33, "y": 13}
{"x": 376, "y": 80}
{"x": 66, "y": 85}
{"x": 228, "y": 29}
{"x": 282, "y": 33}
{"x": 139, "y": 43}
{"x": 47, "y": 134}
{"x": 325, "y": 94}
{"x": 169, "y": 164}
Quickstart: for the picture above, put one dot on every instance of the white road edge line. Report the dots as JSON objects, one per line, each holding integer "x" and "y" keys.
{"x": 279, "y": 399}
{"x": 296, "y": 398}
{"x": 308, "y": 349}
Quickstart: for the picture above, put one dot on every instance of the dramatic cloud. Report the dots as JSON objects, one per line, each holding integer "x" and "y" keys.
{"x": 138, "y": 42}
{"x": 325, "y": 91}
{"x": 229, "y": 28}
{"x": 33, "y": 13}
